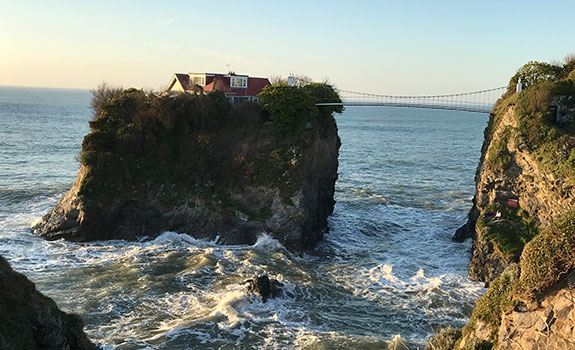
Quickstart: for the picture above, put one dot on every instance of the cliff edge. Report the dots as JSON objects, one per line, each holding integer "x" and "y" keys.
{"x": 194, "y": 163}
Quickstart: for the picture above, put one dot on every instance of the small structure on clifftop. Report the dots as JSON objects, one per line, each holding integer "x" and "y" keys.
{"x": 237, "y": 88}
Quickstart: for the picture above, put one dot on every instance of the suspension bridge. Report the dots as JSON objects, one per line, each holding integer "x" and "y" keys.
{"x": 480, "y": 101}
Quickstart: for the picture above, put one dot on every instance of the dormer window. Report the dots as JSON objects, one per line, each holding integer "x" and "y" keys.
{"x": 239, "y": 82}
{"x": 198, "y": 80}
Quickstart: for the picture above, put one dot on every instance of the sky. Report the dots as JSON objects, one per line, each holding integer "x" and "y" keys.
{"x": 387, "y": 47}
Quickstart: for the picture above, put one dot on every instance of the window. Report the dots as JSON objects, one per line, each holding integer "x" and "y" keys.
{"x": 199, "y": 80}
{"x": 239, "y": 82}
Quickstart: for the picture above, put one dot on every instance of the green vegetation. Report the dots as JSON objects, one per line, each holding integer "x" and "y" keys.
{"x": 543, "y": 257}
{"x": 547, "y": 257}
{"x": 140, "y": 140}
{"x": 533, "y": 73}
{"x": 499, "y": 156}
{"x": 512, "y": 232}
{"x": 292, "y": 109}
{"x": 445, "y": 340}
{"x": 497, "y": 299}
{"x": 173, "y": 145}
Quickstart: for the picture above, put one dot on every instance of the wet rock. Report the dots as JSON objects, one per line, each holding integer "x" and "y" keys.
{"x": 264, "y": 286}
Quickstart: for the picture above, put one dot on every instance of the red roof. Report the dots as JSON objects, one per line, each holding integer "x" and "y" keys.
{"x": 256, "y": 85}
{"x": 221, "y": 82}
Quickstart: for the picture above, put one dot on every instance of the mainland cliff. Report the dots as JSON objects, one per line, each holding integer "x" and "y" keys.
{"x": 30, "y": 320}
{"x": 194, "y": 163}
{"x": 523, "y": 218}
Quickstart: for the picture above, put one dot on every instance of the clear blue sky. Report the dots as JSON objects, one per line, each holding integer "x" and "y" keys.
{"x": 394, "y": 47}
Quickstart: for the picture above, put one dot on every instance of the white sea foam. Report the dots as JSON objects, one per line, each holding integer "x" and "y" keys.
{"x": 266, "y": 242}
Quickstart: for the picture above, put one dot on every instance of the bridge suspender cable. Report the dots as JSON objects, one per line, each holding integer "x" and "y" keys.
{"x": 481, "y": 101}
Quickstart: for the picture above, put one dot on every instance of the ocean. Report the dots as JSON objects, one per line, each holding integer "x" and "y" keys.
{"x": 386, "y": 276}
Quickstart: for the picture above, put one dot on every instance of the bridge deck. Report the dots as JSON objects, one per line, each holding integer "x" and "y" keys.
{"x": 410, "y": 105}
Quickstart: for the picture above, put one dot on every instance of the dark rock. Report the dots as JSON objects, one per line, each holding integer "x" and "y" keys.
{"x": 468, "y": 229}
{"x": 263, "y": 286}
{"x": 30, "y": 320}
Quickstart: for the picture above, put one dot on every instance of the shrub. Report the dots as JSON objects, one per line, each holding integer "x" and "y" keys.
{"x": 497, "y": 299}
{"x": 102, "y": 96}
{"x": 445, "y": 340}
{"x": 325, "y": 93}
{"x": 476, "y": 344}
{"x": 290, "y": 108}
{"x": 549, "y": 256}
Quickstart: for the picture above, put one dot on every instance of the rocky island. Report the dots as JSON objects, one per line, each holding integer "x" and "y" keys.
{"x": 523, "y": 218}
{"x": 194, "y": 163}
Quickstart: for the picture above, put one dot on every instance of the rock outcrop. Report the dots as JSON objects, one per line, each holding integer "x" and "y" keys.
{"x": 538, "y": 192}
{"x": 550, "y": 324}
{"x": 30, "y": 320}
{"x": 193, "y": 164}
{"x": 264, "y": 287}
{"x": 523, "y": 219}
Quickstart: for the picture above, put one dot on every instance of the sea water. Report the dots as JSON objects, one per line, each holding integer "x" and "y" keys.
{"x": 386, "y": 276}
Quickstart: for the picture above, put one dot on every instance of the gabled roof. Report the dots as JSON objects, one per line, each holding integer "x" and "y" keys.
{"x": 179, "y": 79}
{"x": 184, "y": 79}
{"x": 256, "y": 85}
{"x": 219, "y": 84}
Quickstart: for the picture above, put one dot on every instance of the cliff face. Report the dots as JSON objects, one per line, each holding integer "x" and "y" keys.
{"x": 542, "y": 197}
{"x": 523, "y": 219}
{"x": 197, "y": 166}
{"x": 30, "y": 320}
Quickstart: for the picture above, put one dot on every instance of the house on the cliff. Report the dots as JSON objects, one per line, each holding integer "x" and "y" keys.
{"x": 237, "y": 88}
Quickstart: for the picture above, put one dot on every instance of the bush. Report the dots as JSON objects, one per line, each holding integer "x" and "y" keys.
{"x": 102, "y": 96}
{"x": 476, "y": 344}
{"x": 548, "y": 257}
{"x": 496, "y": 300}
{"x": 324, "y": 93}
{"x": 445, "y": 340}
{"x": 290, "y": 108}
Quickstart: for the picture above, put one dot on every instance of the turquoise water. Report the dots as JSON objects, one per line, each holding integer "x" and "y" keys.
{"x": 385, "y": 275}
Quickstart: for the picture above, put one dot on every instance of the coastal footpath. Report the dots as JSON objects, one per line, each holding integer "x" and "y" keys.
{"x": 30, "y": 320}
{"x": 194, "y": 163}
{"x": 523, "y": 219}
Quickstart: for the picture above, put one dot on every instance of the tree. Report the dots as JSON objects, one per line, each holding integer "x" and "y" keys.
{"x": 533, "y": 73}
{"x": 324, "y": 93}
{"x": 289, "y": 107}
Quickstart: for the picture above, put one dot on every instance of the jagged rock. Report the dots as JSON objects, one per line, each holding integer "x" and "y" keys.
{"x": 551, "y": 325}
{"x": 30, "y": 320}
{"x": 468, "y": 229}
{"x": 265, "y": 287}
